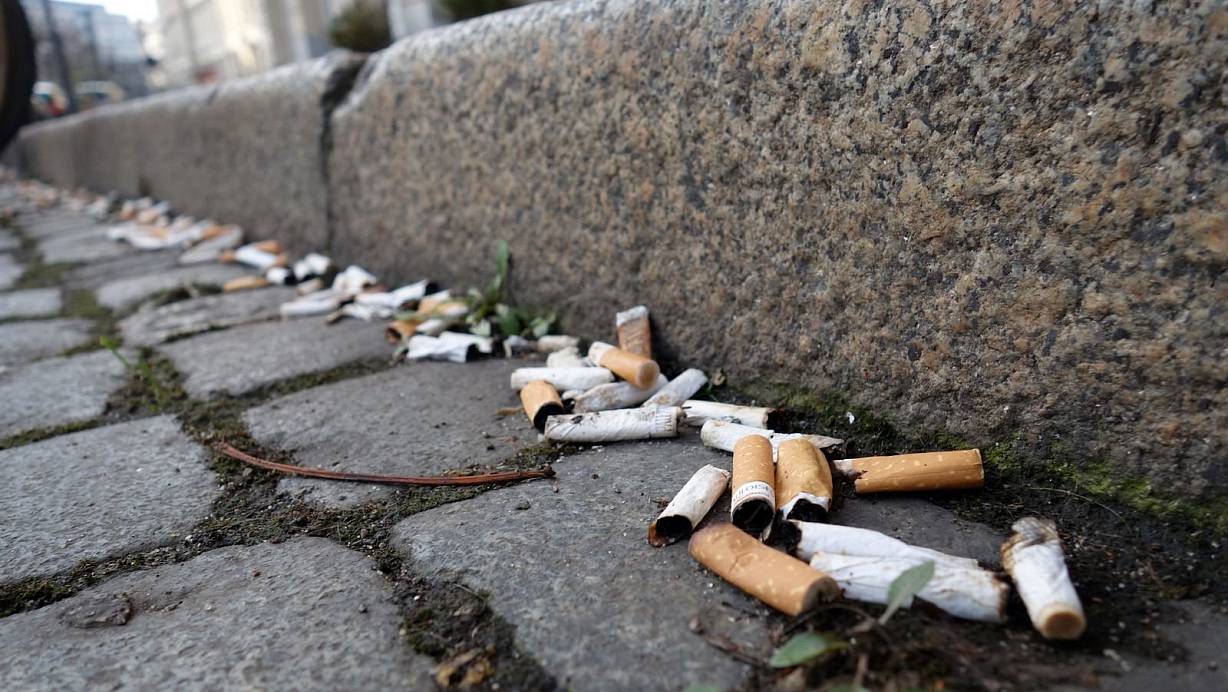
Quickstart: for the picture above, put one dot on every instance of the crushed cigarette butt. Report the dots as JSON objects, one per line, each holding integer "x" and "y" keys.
{"x": 244, "y": 283}
{"x": 541, "y": 400}
{"x": 811, "y": 538}
{"x": 681, "y": 388}
{"x": 400, "y": 330}
{"x": 723, "y": 435}
{"x": 634, "y": 331}
{"x": 689, "y": 506}
{"x": 568, "y": 357}
{"x": 634, "y": 368}
{"x": 754, "y": 478}
{"x": 614, "y": 426}
{"x": 803, "y": 481}
{"x": 955, "y": 470}
{"x": 700, "y": 412}
{"x": 783, "y": 582}
{"x": 1033, "y": 556}
{"x": 555, "y": 342}
{"x": 562, "y": 378}
{"x": 614, "y": 395}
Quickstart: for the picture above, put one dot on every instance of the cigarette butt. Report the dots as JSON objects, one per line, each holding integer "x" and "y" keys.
{"x": 689, "y": 506}
{"x": 278, "y": 275}
{"x": 568, "y": 357}
{"x": 400, "y": 330}
{"x": 409, "y": 294}
{"x": 614, "y": 395}
{"x": 435, "y": 325}
{"x": 270, "y": 246}
{"x": 634, "y": 368}
{"x": 562, "y": 378}
{"x": 966, "y": 592}
{"x": 244, "y": 283}
{"x": 614, "y": 426}
{"x": 427, "y": 304}
{"x": 484, "y": 344}
{"x": 634, "y": 331}
{"x": 555, "y": 342}
{"x": 353, "y": 279}
{"x": 723, "y": 435}
{"x": 541, "y": 400}
{"x": 803, "y": 481}
{"x": 783, "y": 582}
{"x": 212, "y": 231}
{"x": 815, "y": 538}
{"x": 955, "y": 470}
{"x": 681, "y": 388}
{"x": 700, "y": 412}
{"x": 754, "y": 494}
{"x": 253, "y": 256}
{"x": 423, "y": 347}
{"x": 227, "y": 256}
{"x": 1033, "y": 556}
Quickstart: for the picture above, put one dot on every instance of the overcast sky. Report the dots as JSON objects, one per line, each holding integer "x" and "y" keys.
{"x": 144, "y": 10}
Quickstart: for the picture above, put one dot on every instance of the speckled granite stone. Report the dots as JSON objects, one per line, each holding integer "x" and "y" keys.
{"x": 995, "y": 221}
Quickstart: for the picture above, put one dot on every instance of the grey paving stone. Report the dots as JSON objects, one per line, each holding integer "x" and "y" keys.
{"x": 923, "y": 523}
{"x": 10, "y": 271}
{"x": 96, "y": 274}
{"x": 239, "y": 360}
{"x": 25, "y": 341}
{"x": 1202, "y": 629}
{"x": 99, "y": 493}
{"x": 122, "y": 294}
{"x": 147, "y": 327}
{"x": 598, "y": 606}
{"x": 57, "y": 391}
{"x": 86, "y": 245}
{"x": 8, "y": 241}
{"x": 44, "y": 225}
{"x": 306, "y": 614}
{"x": 35, "y": 302}
{"x": 419, "y": 419}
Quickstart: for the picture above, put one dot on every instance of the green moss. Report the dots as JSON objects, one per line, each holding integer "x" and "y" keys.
{"x": 39, "y": 434}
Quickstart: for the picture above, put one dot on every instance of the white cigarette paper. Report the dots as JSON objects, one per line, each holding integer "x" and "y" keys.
{"x": 966, "y": 592}
{"x": 700, "y": 412}
{"x": 568, "y": 357}
{"x": 278, "y": 275}
{"x": 353, "y": 279}
{"x": 555, "y": 342}
{"x": 420, "y": 347}
{"x": 604, "y": 397}
{"x": 1033, "y": 557}
{"x": 849, "y": 540}
{"x": 310, "y": 305}
{"x": 208, "y": 250}
{"x": 410, "y": 293}
{"x": 614, "y": 426}
{"x": 483, "y": 344}
{"x": 436, "y": 326}
{"x": 682, "y": 387}
{"x": 563, "y": 379}
{"x": 689, "y": 506}
{"x": 255, "y": 257}
{"x": 723, "y": 435}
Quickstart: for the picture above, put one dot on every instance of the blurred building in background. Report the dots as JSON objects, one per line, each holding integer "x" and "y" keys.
{"x": 103, "y": 50}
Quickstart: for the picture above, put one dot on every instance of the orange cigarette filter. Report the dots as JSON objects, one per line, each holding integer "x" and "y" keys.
{"x": 754, "y": 489}
{"x": 779, "y": 580}
{"x": 957, "y": 470}
{"x": 639, "y": 371}
{"x": 400, "y": 330}
{"x": 803, "y": 481}
{"x": 244, "y": 283}
{"x": 541, "y": 400}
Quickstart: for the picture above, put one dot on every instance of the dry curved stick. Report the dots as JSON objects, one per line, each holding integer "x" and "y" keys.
{"x": 309, "y": 472}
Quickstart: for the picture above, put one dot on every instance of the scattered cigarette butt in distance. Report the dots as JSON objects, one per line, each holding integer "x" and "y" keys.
{"x": 813, "y": 538}
{"x": 568, "y": 357}
{"x": 634, "y": 368}
{"x": 700, "y": 412}
{"x": 681, "y": 388}
{"x": 634, "y": 331}
{"x": 971, "y": 593}
{"x": 555, "y": 342}
{"x": 423, "y": 347}
{"x": 783, "y": 582}
{"x": 803, "y": 481}
{"x": 723, "y": 435}
{"x": 400, "y": 330}
{"x": 689, "y": 506}
{"x": 956, "y": 470}
{"x": 244, "y": 283}
{"x": 614, "y": 395}
{"x": 1033, "y": 556}
{"x": 541, "y": 400}
{"x": 614, "y": 426}
{"x": 562, "y": 378}
{"x": 754, "y": 477}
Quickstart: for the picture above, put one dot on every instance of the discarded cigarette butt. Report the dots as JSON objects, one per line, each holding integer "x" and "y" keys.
{"x": 244, "y": 283}
{"x": 409, "y": 294}
{"x": 278, "y": 275}
{"x": 680, "y": 389}
{"x": 312, "y": 304}
{"x": 436, "y": 325}
{"x": 1033, "y": 557}
{"x": 614, "y": 426}
{"x": 634, "y": 368}
{"x": 700, "y": 412}
{"x": 814, "y": 538}
{"x": 971, "y": 593}
{"x": 366, "y": 313}
{"x": 541, "y": 400}
{"x": 270, "y": 246}
{"x": 427, "y": 304}
{"x": 803, "y": 481}
{"x": 955, "y": 470}
{"x": 214, "y": 247}
{"x": 423, "y": 347}
{"x": 783, "y": 582}
{"x": 226, "y": 256}
{"x": 253, "y": 256}
{"x": 353, "y": 279}
{"x": 634, "y": 332}
{"x": 484, "y": 344}
{"x": 754, "y": 490}
{"x": 400, "y": 330}
{"x": 562, "y": 378}
{"x": 568, "y": 357}
{"x": 554, "y": 342}
{"x": 571, "y": 394}
{"x": 689, "y": 506}
{"x": 722, "y": 435}
{"x": 614, "y": 395}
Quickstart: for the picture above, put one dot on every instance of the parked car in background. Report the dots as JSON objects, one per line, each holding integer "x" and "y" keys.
{"x": 98, "y": 93}
{"x": 48, "y": 101}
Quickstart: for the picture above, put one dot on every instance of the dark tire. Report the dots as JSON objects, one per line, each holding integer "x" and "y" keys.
{"x": 17, "y": 64}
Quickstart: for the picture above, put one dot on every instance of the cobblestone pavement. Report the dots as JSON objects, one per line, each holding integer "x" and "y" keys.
{"x": 133, "y": 556}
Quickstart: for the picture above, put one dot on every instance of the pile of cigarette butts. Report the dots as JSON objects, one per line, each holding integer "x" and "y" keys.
{"x": 777, "y": 545}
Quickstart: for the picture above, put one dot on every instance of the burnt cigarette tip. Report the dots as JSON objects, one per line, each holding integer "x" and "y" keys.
{"x": 668, "y": 530}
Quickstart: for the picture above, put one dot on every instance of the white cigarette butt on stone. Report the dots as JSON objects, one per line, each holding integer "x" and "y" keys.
{"x": 614, "y": 426}
{"x": 724, "y": 435}
{"x": 353, "y": 279}
{"x": 849, "y": 540}
{"x": 556, "y": 342}
{"x": 571, "y": 394}
{"x": 484, "y": 344}
{"x": 366, "y": 313}
{"x": 421, "y": 347}
{"x": 605, "y": 397}
{"x": 563, "y": 379}
{"x": 255, "y": 257}
{"x": 700, "y": 412}
{"x": 307, "y": 306}
{"x": 971, "y": 593}
{"x": 1033, "y": 556}
{"x": 568, "y": 357}
{"x": 409, "y": 293}
{"x": 680, "y": 389}
{"x": 278, "y": 275}
{"x": 436, "y": 326}
{"x": 689, "y": 506}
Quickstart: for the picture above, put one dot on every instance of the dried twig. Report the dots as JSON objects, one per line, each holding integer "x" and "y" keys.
{"x": 308, "y": 472}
